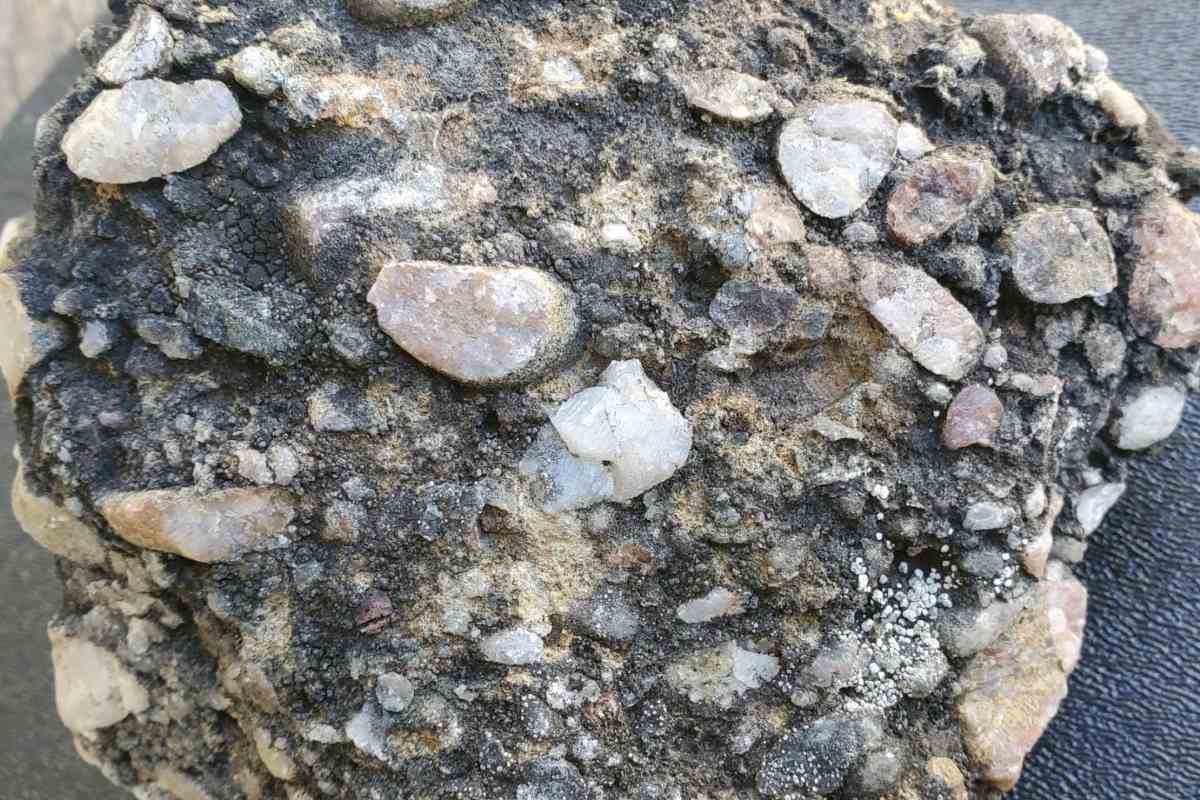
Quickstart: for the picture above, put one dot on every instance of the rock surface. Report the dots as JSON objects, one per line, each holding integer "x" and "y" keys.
{"x": 404, "y": 13}
{"x": 633, "y": 446}
{"x": 150, "y": 128}
{"x": 480, "y": 325}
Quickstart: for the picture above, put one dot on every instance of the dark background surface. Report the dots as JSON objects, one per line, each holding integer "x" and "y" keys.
{"x": 1130, "y": 729}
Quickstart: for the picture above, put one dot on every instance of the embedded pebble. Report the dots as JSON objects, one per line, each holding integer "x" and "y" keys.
{"x": 912, "y": 142}
{"x": 394, "y": 692}
{"x": 973, "y": 418}
{"x": 28, "y": 341}
{"x": 936, "y": 193}
{"x": 144, "y": 49}
{"x": 721, "y": 675}
{"x": 93, "y": 689}
{"x": 728, "y": 95}
{"x": 834, "y": 154}
{"x": 476, "y": 324}
{"x": 814, "y": 760}
{"x": 1093, "y": 505}
{"x": 1037, "y": 54}
{"x": 1011, "y": 691}
{"x": 925, "y": 318}
{"x": 258, "y": 68}
{"x": 1164, "y": 295}
{"x": 184, "y": 124}
{"x": 1148, "y": 417}
{"x": 53, "y": 526}
{"x": 988, "y": 516}
{"x": 720, "y": 602}
{"x": 630, "y": 425}
{"x": 568, "y": 483}
{"x": 207, "y": 527}
{"x": 514, "y": 647}
{"x": 1060, "y": 254}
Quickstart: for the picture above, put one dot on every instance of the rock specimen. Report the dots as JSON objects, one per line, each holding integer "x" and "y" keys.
{"x": 150, "y": 128}
{"x": 566, "y": 401}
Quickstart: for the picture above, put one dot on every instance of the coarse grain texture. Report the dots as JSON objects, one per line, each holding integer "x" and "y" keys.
{"x": 624, "y": 455}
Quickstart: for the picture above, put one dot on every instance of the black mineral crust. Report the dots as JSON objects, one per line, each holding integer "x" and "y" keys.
{"x": 613, "y": 400}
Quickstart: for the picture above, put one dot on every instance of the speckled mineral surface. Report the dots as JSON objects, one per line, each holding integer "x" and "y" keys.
{"x": 445, "y": 400}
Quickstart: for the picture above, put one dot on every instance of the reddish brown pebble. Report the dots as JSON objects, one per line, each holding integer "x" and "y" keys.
{"x": 973, "y": 418}
{"x": 1164, "y": 296}
{"x": 1012, "y": 690}
{"x": 937, "y": 193}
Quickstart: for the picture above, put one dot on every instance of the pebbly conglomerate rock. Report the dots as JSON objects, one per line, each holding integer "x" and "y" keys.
{"x": 585, "y": 401}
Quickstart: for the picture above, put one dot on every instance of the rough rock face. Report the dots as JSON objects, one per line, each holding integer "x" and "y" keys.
{"x": 582, "y": 401}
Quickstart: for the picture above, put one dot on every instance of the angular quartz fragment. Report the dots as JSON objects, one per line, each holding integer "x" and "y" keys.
{"x": 722, "y": 674}
{"x": 936, "y": 193}
{"x": 1148, "y": 417}
{"x": 514, "y": 647}
{"x": 1093, "y": 505}
{"x": 629, "y": 424}
{"x": 720, "y": 602}
{"x": 972, "y": 418}
{"x": 144, "y": 49}
{"x": 1012, "y": 690}
{"x": 1037, "y": 54}
{"x": 1164, "y": 295}
{"x": 568, "y": 482}
{"x": 477, "y": 324}
{"x": 728, "y": 95}
{"x": 259, "y": 69}
{"x": 405, "y": 13}
{"x": 1060, "y": 254}
{"x": 835, "y": 153}
{"x": 54, "y": 527}
{"x": 924, "y": 317}
{"x": 206, "y": 527}
{"x": 24, "y": 341}
{"x": 151, "y": 128}
{"x": 92, "y": 688}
